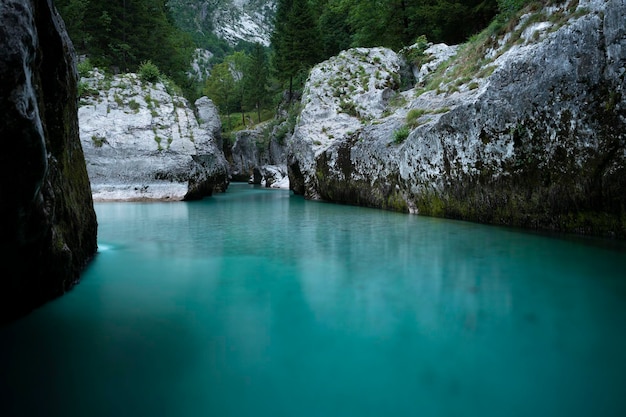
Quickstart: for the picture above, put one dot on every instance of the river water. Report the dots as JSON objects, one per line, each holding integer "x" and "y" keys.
{"x": 257, "y": 303}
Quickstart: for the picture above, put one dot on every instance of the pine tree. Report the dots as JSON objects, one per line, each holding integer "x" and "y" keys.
{"x": 123, "y": 33}
{"x": 295, "y": 40}
{"x": 255, "y": 80}
{"x": 335, "y": 32}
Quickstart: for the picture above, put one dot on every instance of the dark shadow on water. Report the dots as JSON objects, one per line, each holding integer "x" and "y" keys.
{"x": 54, "y": 364}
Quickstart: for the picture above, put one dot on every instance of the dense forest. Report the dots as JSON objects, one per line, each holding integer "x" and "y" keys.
{"x": 120, "y": 35}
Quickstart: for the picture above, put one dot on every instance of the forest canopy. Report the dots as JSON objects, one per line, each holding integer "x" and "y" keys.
{"x": 122, "y": 34}
{"x": 397, "y": 23}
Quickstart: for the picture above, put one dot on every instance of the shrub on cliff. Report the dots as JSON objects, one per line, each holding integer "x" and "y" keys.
{"x": 149, "y": 72}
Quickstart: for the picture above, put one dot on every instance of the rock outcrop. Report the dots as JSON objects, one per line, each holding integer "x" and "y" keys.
{"x": 142, "y": 141}
{"x": 48, "y": 223}
{"x": 231, "y": 20}
{"x": 259, "y": 156}
{"x": 534, "y": 137}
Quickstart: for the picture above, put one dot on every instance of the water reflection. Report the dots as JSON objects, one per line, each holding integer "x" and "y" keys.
{"x": 255, "y": 302}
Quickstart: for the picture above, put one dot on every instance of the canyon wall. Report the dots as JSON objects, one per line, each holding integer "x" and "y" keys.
{"x": 48, "y": 223}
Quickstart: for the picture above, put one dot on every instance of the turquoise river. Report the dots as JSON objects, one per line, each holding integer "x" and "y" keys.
{"x": 257, "y": 303}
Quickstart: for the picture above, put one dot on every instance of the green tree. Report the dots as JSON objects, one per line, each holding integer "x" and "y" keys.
{"x": 237, "y": 63}
{"x": 123, "y": 33}
{"x": 333, "y": 27}
{"x": 295, "y": 40}
{"x": 256, "y": 79}
{"x": 220, "y": 87}
{"x": 73, "y": 12}
{"x": 397, "y": 23}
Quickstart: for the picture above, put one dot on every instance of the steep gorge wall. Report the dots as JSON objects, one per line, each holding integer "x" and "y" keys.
{"x": 538, "y": 140}
{"x": 48, "y": 224}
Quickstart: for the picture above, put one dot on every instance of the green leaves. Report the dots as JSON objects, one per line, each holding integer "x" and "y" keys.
{"x": 148, "y": 72}
{"x": 255, "y": 80}
{"x": 123, "y": 34}
{"x": 295, "y": 39}
{"x": 396, "y": 23}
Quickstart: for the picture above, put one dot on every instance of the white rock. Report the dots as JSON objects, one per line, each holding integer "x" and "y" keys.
{"x": 141, "y": 142}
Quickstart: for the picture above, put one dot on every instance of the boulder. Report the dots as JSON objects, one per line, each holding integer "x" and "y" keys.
{"x": 143, "y": 141}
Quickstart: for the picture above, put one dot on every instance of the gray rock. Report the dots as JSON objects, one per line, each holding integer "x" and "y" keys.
{"x": 209, "y": 120}
{"x": 48, "y": 225}
{"x": 259, "y": 157}
{"x": 537, "y": 140}
{"x": 274, "y": 176}
{"x": 245, "y": 155}
{"x": 143, "y": 142}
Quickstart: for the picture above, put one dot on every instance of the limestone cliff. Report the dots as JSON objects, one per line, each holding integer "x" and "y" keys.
{"x": 143, "y": 141}
{"x": 230, "y": 20}
{"x": 48, "y": 224}
{"x": 525, "y": 128}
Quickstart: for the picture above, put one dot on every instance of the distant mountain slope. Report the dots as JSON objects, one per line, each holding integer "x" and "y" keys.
{"x": 230, "y": 20}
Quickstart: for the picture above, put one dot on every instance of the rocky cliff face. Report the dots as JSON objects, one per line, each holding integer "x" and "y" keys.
{"x": 142, "y": 141}
{"x": 231, "y": 20}
{"x": 535, "y": 136}
{"x": 259, "y": 156}
{"x": 48, "y": 224}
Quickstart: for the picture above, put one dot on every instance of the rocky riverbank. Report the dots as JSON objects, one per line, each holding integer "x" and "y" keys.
{"x": 525, "y": 127}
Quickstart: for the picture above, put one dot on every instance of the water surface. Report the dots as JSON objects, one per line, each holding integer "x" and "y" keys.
{"x": 258, "y": 303}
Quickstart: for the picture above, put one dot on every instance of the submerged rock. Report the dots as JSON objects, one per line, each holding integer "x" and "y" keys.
{"x": 536, "y": 137}
{"x": 272, "y": 176}
{"x": 48, "y": 223}
{"x": 142, "y": 141}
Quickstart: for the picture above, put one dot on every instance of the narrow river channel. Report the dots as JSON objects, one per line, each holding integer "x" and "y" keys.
{"x": 257, "y": 303}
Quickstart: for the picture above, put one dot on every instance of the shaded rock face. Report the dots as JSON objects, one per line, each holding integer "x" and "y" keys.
{"x": 538, "y": 140}
{"x": 259, "y": 160}
{"x": 143, "y": 141}
{"x": 48, "y": 224}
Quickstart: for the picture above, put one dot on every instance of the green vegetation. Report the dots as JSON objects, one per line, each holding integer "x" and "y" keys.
{"x": 413, "y": 116}
{"x": 148, "y": 72}
{"x": 397, "y": 23}
{"x": 84, "y": 67}
{"x": 401, "y": 134}
{"x": 220, "y": 87}
{"x": 133, "y": 105}
{"x": 98, "y": 141}
{"x": 123, "y": 34}
{"x": 239, "y": 121}
{"x": 156, "y": 39}
{"x": 472, "y": 60}
{"x": 255, "y": 81}
{"x": 295, "y": 41}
